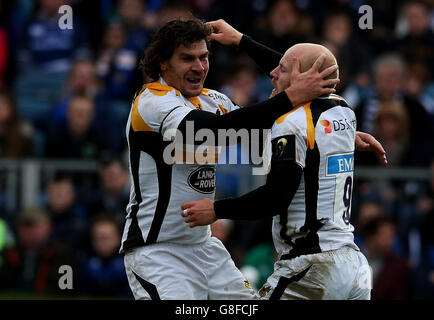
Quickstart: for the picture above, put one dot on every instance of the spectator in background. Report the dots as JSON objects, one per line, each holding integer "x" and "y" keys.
{"x": 32, "y": 266}
{"x": 352, "y": 54}
{"x": 417, "y": 45}
{"x": 423, "y": 280}
{"x": 132, "y": 13}
{"x": 390, "y": 272}
{"x": 47, "y": 47}
{"x": 389, "y": 72}
{"x": 83, "y": 80}
{"x": 240, "y": 83}
{"x": 381, "y": 38}
{"x": 284, "y": 26}
{"x": 392, "y": 130}
{"x": 15, "y": 136}
{"x": 45, "y": 56}
{"x": 68, "y": 216}
{"x": 368, "y": 210}
{"x": 117, "y": 68}
{"x": 114, "y": 192}
{"x": 419, "y": 86}
{"x": 92, "y": 13}
{"x": 79, "y": 139}
{"x": 103, "y": 272}
{"x": 172, "y": 9}
{"x": 425, "y": 211}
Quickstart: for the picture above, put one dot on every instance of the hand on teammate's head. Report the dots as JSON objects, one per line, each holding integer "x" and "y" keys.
{"x": 224, "y": 33}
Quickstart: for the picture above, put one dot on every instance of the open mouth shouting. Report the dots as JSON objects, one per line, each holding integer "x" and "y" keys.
{"x": 194, "y": 81}
{"x": 194, "y": 84}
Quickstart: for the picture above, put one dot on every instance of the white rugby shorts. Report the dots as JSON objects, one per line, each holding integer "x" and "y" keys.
{"x": 165, "y": 271}
{"x": 342, "y": 274}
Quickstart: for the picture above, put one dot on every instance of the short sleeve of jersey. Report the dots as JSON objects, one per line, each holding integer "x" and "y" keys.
{"x": 161, "y": 113}
{"x": 288, "y": 137}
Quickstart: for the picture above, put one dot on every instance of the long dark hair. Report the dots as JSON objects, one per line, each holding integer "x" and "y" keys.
{"x": 180, "y": 31}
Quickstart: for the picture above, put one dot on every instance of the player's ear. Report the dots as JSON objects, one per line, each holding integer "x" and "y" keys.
{"x": 163, "y": 66}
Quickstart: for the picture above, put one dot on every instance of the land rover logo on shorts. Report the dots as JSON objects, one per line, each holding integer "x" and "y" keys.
{"x": 202, "y": 179}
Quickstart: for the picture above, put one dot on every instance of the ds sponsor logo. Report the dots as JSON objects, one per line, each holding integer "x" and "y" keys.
{"x": 344, "y": 124}
{"x": 327, "y": 125}
{"x": 338, "y": 125}
{"x": 203, "y": 179}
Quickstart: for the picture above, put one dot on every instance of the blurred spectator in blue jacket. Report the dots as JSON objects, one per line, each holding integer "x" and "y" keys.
{"x": 47, "y": 47}
{"x": 69, "y": 217}
{"x": 83, "y": 80}
{"x": 117, "y": 64}
{"x": 45, "y": 56}
{"x": 103, "y": 272}
{"x": 132, "y": 13}
{"x": 15, "y": 136}
{"x": 78, "y": 139}
{"x": 113, "y": 194}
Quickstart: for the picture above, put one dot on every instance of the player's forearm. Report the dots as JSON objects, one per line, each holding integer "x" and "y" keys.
{"x": 251, "y": 206}
{"x": 266, "y": 58}
{"x": 269, "y": 200}
{"x": 257, "y": 116}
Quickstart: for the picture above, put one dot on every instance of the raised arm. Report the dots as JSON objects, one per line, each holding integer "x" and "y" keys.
{"x": 306, "y": 86}
{"x": 266, "y": 58}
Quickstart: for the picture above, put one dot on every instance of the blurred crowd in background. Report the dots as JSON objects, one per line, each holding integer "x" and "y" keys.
{"x": 66, "y": 94}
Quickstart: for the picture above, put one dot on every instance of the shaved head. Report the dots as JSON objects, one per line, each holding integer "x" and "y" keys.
{"x": 307, "y": 53}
